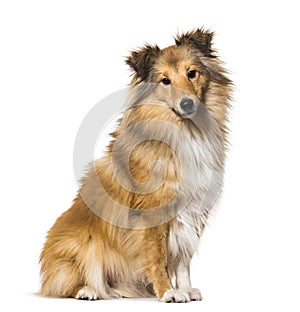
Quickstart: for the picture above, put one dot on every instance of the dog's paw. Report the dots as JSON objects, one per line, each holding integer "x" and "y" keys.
{"x": 173, "y": 295}
{"x": 86, "y": 293}
{"x": 194, "y": 293}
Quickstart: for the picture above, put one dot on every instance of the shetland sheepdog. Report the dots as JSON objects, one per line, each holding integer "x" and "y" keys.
{"x": 142, "y": 207}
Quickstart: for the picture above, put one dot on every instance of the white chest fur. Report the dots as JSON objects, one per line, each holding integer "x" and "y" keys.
{"x": 201, "y": 163}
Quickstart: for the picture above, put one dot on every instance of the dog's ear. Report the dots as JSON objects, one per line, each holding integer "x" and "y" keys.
{"x": 198, "y": 38}
{"x": 141, "y": 61}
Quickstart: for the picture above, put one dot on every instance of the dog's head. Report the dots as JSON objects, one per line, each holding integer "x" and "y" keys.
{"x": 183, "y": 72}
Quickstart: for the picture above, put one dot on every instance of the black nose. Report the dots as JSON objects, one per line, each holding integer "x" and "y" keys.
{"x": 187, "y": 106}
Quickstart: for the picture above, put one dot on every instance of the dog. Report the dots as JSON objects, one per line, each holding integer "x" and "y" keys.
{"x": 137, "y": 219}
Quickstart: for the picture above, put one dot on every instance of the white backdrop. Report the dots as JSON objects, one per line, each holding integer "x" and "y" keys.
{"x": 59, "y": 58}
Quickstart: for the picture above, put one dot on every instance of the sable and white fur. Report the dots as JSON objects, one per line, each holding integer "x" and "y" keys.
{"x": 114, "y": 242}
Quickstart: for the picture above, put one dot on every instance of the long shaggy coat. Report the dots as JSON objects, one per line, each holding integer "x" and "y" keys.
{"x": 137, "y": 218}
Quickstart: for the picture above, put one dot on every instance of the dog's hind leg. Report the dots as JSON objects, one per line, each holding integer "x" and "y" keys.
{"x": 94, "y": 277}
{"x": 60, "y": 277}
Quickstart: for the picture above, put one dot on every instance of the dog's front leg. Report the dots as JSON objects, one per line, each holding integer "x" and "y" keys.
{"x": 183, "y": 282}
{"x": 156, "y": 267}
{"x": 155, "y": 250}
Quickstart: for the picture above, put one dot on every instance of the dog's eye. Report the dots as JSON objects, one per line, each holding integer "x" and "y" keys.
{"x": 166, "y": 81}
{"x": 191, "y": 74}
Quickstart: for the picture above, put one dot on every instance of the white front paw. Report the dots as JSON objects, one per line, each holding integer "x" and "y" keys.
{"x": 194, "y": 293}
{"x": 173, "y": 295}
